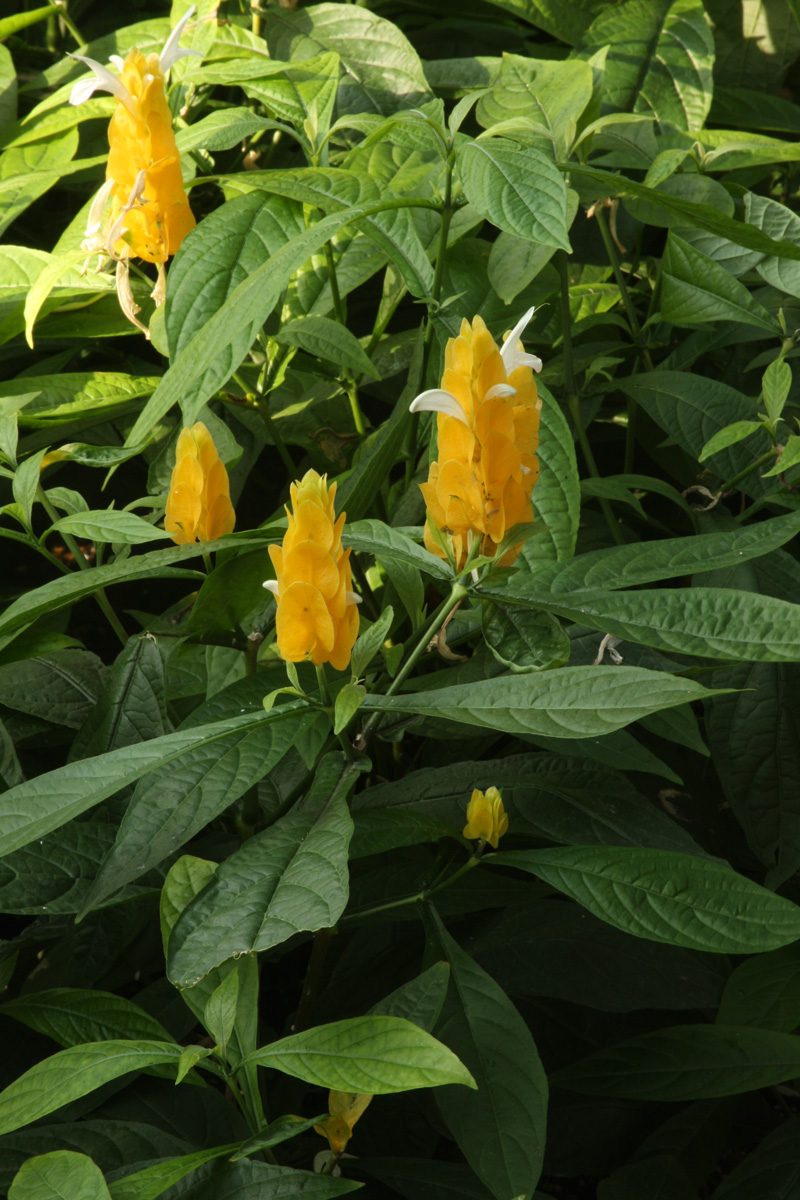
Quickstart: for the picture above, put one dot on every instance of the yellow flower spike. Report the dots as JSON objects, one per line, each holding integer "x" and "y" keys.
{"x": 317, "y": 616}
{"x": 487, "y": 435}
{"x": 199, "y": 502}
{"x": 345, "y": 1108}
{"x": 487, "y": 819}
{"x": 149, "y": 215}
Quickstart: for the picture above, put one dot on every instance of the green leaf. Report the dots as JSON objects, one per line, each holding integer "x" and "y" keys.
{"x": 515, "y": 262}
{"x": 219, "y": 345}
{"x": 280, "y": 1130}
{"x": 524, "y": 639}
{"x": 790, "y": 457}
{"x": 660, "y": 60}
{"x": 572, "y": 702}
{"x": 49, "y": 400}
{"x": 221, "y": 130}
{"x": 518, "y": 190}
{"x": 764, "y": 992}
{"x": 551, "y": 94}
{"x": 777, "y": 221}
{"x": 648, "y": 562}
{"x": 703, "y": 216}
{"x": 291, "y": 877}
{"x": 500, "y": 1128}
{"x": 151, "y": 1182}
{"x": 549, "y": 948}
{"x": 420, "y": 1000}
{"x": 756, "y": 750}
{"x": 695, "y": 289}
{"x": 564, "y": 19}
{"x": 380, "y": 69}
{"x": 691, "y": 409}
{"x": 54, "y": 874}
{"x": 388, "y": 224}
{"x": 219, "y": 1017}
{"x": 229, "y": 594}
{"x": 374, "y": 1054}
{"x": 71, "y": 1016}
{"x": 687, "y": 1062}
{"x": 8, "y": 92}
{"x": 362, "y": 484}
{"x": 681, "y": 899}
{"x": 62, "y": 1175}
{"x": 158, "y": 564}
{"x": 39, "y": 805}
{"x": 249, "y": 1180}
{"x": 379, "y": 830}
{"x": 728, "y": 436}
{"x": 177, "y": 800}
{"x": 369, "y": 643}
{"x": 556, "y": 497}
{"x": 347, "y": 703}
{"x": 328, "y": 340}
{"x": 62, "y": 686}
{"x": 133, "y": 705}
{"x": 776, "y": 385}
{"x": 25, "y": 484}
{"x": 771, "y": 1168}
{"x": 76, "y": 1072}
{"x": 105, "y": 525}
{"x": 375, "y": 537}
{"x": 718, "y": 623}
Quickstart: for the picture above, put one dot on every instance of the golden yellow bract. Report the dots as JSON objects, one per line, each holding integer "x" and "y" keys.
{"x": 487, "y": 820}
{"x": 317, "y": 616}
{"x": 141, "y": 138}
{"x": 199, "y": 502}
{"x": 344, "y": 1108}
{"x": 487, "y": 435}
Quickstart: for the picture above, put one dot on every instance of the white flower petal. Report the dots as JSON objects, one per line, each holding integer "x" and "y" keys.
{"x": 125, "y": 297}
{"x": 350, "y": 597}
{"x": 438, "y": 401}
{"x": 511, "y": 355}
{"x": 500, "y": 389}
{"x": 171, "y": 52}
{"x": 95, "y": 218}
{"x": 272, "y": 586}
{"x": 103, "y": 81}
{"x": 117, "y": 61}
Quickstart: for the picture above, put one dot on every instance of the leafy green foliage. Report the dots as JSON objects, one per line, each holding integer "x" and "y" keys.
{"x": 214, "y": 861}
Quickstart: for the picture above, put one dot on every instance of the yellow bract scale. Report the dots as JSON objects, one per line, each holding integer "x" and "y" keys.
{"x": 199, "y": 502}
{"x": 141, "y": 138}
{"x": 481, "y": 484}
{"x": 487, "y": 820}
{"x": 317, "y": 616}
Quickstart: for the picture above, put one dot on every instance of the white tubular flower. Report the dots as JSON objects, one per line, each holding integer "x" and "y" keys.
{"x": 438, "y": 401}
{"x": 103, "y": 81}
{"x": 171, "y": 52}
{"x": 510, "y": 353}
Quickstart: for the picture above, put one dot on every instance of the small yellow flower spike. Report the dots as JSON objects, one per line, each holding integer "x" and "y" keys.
{"x": 488, "y": 433}
{"x": 487, "y": 820}
{"x": 199, "y": 502}
{"x": 150, "y": 214}
{"x": 345, "y": 1108}
{"x": 317, "y": 616}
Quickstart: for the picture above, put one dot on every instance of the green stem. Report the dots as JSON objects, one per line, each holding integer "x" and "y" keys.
{"x": 425, "y": 894}
{"x": 635, "y": 329}
{"x": 341, "y": 316}
{"x": 457, "y": 593}
{"x": 82, "y": 565}
{"x": 441, "y": 257}
{"x": 731, "y": 483}
{"x": 573, "y": 398}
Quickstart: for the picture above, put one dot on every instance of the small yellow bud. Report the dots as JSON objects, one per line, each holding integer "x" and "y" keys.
{"x": 199, "y": 501}
{"x": 317, "y": 616}
{"x": 345, "y": 1108}
{"x": 486, "y": 818}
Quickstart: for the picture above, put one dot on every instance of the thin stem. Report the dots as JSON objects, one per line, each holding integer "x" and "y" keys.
{"x": 457, "y": 593}
{"x": 441, "y": 257}
{"x": 82, "y": 565}
{"x": 313, "y": 978}
{"x": 636, "y": 333}
{"x": 573, "y": 398}
{"x": 425, "y": 894}
{"x": 61, "y": 8}
{"x": 760, "y": 462}
{"x": 341, "y": 316}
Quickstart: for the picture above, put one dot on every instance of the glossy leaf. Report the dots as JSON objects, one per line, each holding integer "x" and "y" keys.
{"x": 702, "y": 904}
{"x": 518, "y": 190}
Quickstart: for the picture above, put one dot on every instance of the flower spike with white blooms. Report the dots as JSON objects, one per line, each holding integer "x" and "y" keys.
{"x": 149, "y": 213}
